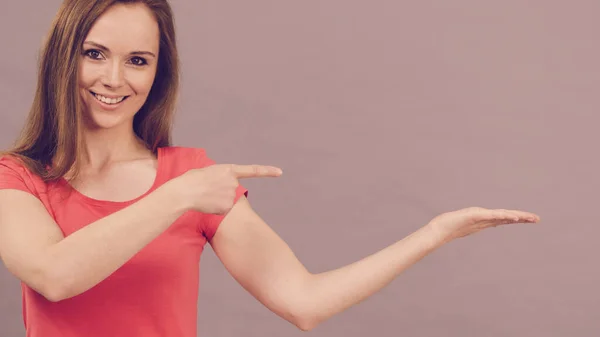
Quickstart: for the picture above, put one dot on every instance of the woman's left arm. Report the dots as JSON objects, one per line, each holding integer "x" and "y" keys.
{"x": 267, "y": 268}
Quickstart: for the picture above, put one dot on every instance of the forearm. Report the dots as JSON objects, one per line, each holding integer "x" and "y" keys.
{"x": 88, "y": 256}
{"x": 332, "y": 292}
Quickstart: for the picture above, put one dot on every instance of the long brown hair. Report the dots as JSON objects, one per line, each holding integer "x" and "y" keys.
{"x": 50, "y": 142}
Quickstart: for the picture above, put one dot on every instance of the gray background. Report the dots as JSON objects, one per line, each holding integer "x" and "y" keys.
{"x": 384, "y": 114}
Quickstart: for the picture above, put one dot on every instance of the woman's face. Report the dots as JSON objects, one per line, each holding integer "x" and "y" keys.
{"x": 118, "y": 65}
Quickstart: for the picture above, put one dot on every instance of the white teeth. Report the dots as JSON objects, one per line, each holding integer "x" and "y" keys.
{"x": 109, "y": 100}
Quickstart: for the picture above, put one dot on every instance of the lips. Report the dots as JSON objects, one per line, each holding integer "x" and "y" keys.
{"x": 109, "y": 100}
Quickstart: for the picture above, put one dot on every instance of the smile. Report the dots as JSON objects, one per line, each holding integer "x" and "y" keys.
{"x": 108, "y": 100}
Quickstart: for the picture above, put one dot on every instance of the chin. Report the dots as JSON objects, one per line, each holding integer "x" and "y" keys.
{"x": 108, "y": 120}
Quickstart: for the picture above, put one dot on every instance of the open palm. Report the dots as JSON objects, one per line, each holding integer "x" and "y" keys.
{"x": 467, "y": 221}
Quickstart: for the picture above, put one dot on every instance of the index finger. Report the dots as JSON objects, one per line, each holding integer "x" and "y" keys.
{"x": 255, "y": 171}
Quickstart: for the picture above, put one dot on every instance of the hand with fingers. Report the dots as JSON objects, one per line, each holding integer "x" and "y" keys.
{"x": 212, "y": 189}
{"x": 467, "y": 221}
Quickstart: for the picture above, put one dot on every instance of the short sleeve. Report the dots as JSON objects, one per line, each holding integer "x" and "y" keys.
{"x": 13, "y": 175}
{"x": 210, "y": 222}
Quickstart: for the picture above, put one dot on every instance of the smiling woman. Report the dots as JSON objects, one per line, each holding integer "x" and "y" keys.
{"x": 104, "y": 221}
{"x": 118, "y": 65}
{"x": 122, "y": 55}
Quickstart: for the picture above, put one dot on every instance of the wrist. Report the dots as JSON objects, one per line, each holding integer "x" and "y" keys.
{"x": 439, "y": 236}
{"x": 170, "y": 194}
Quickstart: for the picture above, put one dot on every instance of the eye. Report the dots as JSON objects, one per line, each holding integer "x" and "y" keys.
{"x": 138, "y": 61}
{"x": 93, "y": 54}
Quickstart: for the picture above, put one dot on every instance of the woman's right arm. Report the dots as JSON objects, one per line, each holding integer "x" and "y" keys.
{"x": 34, "y": 249}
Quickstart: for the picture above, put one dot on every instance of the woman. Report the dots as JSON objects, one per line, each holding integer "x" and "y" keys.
{"x": 104, "y": 221}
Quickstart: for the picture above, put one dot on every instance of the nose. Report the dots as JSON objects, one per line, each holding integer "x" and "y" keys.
{"x": 114, "y": 76}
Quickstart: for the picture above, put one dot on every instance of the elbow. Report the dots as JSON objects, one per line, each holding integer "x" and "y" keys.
{"x": 299, "y": 318}
{"x": 43, "y": 278}
{"x": 58, "y": 290}
{"x": 306, "y": 311}
{"x": 44, "y": 283}
{"x": 53, "y": 295}
{"x": 53, "y": 292}
{"x": 306, "y": 325}
{"x": 55, "y": 288}
{"x": 299, "y": 306}
{"x": 304, "y": 320}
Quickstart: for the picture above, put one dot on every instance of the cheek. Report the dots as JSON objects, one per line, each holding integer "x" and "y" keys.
{"x": 87, "y": 74}
{"x": 141, "y": 82}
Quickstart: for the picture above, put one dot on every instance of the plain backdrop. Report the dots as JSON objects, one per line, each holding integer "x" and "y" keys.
{"x": 384, "y": 114}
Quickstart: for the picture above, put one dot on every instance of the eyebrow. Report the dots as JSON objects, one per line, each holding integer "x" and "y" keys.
{"x": 104, "y": 48}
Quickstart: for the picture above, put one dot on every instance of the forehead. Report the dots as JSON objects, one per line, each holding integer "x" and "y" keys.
{"x": 126, "y": 27}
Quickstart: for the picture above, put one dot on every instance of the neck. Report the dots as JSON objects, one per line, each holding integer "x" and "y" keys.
{"x": 106, "y": 146}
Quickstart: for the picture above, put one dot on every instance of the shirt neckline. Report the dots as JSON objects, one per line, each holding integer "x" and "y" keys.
{"x": 101, "y": 202}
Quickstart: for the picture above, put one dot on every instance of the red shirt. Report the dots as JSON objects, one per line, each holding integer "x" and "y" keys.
{"x": 154, "y": 294}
